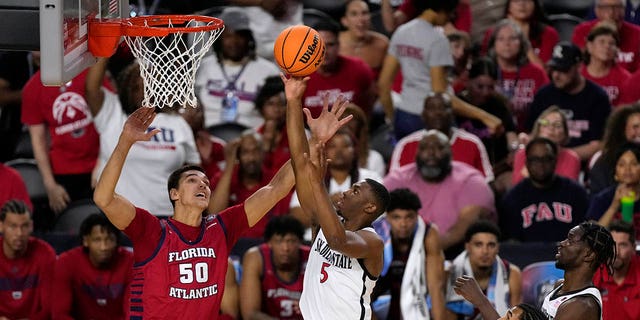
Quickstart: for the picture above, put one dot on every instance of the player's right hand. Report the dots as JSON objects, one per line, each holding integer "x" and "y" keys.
{"x": 58, "y": 197}
{"x": 135, "y": 128}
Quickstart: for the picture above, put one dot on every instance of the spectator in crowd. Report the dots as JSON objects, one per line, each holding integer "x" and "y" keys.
{"x": 499, "y": 279}
{"x": 16, "y": 67}
{"x": 423, "y": 62}
{"x": 267, "y": 18}
{"x": 552, "y": 125}
{"x": 341, "y": 174}
{"x": 600, "y": 61}
{"x": 453, "y": 194}
{"x": 438, "y": 115}
{"x": 273, "y": 272}
{"x": 530, "y": 17}
{"x": 272, "y": 105}
{"x": 622, "y": 127}
{"x": 413, "y": 257}
{"x": 480, "y": 91}
{"x": 91, "y": 280}
{"x": 339, "y": 75}
{"x": 210, "y": 147}
{"x": 150, "y": 162}
{"x": 244, "y": 173}
{"x": 585, "y": 104}
{"x": 587, "y": 248}
{"x": 460, "y": 46}
{"x": 233, "y": 72}
{"x": 518, "y": 78}
{"x": 460, "y": 19}
{"x": 630, "y": 94}
{"x": 25, "y": 265}
{"x": 620, "y": 291}
{"x": 64, "y": 139}
{"x": 359, "y": 126}
{"x": 358, "y": 40}
{"x": 12, "y": 186}
{"x": 631, "y": 12}
{"x": 544, "y": 206}
{"x": 606, "y": 205}
{"x": 613, "y": 11}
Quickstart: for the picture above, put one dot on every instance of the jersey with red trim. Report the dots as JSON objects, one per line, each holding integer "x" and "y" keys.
{"x": 25, "y": 282}
{"x": 465, "y": 147}
{"x": 278, "y": 296}
{"x": 83, "y": 291}
{"x": 183, "y": 279}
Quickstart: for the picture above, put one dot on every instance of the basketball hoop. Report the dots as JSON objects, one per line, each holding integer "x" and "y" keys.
{"x": 168, "y": 48}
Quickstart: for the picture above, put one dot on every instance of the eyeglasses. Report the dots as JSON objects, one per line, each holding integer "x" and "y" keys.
{"x": 547, "y": 123}
{"x": 542, "y": 160}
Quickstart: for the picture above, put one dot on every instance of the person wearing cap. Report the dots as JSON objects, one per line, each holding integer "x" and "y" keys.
{"x": 233, "y": 70}
{"x": 613, "y": 11}
{"x": 584, "y": 103}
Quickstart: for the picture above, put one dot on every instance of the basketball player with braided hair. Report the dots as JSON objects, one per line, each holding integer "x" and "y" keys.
{"x": 587, "y": 248}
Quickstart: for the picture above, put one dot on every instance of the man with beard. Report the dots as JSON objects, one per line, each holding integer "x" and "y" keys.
{"x": 587, "y": 248}
{"x": 465, "y": 147}
{"x": 273, "y": 272}
{"x": 499, "y": 280}
{"x": 233, "y": 72}
{"x": 544, "y": 206}
{"x": 243, "y": 175}
{"x": 412, "y": 257}
{"x": 621, "y": 291}
{"x": 90, "y": 280}
{"x": 453, "y": 194}
{"x": 585, "y": 104}
{"x": 25, "y": 266}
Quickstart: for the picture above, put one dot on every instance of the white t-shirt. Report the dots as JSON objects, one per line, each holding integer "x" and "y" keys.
{"x": 266, "y": 28}
{"x": 335, "y": 286}
{"x": 211, "y": 84}
{"x": 143, "y": 180}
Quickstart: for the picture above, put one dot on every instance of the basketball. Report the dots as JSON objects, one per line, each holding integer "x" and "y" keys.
{"x": 299, "y": 50}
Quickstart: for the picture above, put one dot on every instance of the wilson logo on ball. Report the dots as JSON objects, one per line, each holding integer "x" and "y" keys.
{"x": 310, "y": 50}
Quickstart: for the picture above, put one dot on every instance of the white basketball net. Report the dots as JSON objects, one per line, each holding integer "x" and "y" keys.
{"x": 168, "y": 64}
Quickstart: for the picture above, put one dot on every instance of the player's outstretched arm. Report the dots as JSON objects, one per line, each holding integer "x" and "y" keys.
{"x": 93, "y": 93}
{"x": 434, "y": 266}
{"x": 117, "y": 208}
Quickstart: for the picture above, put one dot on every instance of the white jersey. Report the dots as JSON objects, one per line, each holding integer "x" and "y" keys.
{"x": 335, "y": 286}
{"x": 552, "y": 301}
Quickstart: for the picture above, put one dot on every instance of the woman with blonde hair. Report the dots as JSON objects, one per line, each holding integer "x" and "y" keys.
{"x": 551, "y": 124}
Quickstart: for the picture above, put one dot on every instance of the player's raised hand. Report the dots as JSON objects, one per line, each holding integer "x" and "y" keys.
{"x": 317, "y": 160}
{"x": 468, "y": 288}
{"x": 328, "y": 122}
{"x": 136, "y": 126}
{"x": 294, "y": 87}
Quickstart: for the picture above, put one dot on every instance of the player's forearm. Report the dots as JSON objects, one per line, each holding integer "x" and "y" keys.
{"x": 41, "y": 154}
{"x": 220, "y": 197}
{"x": 298, "y": 144}
{"x": 106, "y": 186}
{"x": 93, "y": 85}
{"x": 327, "y": 218}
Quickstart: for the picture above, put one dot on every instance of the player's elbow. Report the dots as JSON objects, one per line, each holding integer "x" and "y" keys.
{"x": 101, "y": 200}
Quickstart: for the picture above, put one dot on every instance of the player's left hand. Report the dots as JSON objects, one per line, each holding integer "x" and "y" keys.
{"x": 468, "y": 288}
{"x": 135, "y": 128}
{"x": 328, "y": 122}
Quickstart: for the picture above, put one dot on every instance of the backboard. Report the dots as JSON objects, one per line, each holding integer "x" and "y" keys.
{"x": 63, "y": 35}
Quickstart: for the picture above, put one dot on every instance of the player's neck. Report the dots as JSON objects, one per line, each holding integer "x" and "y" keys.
{"x": 481, "y": 275}
{"x": 10, "y": 253}
{"x": 189, "y": 216}
{"x": 576, "y": 279}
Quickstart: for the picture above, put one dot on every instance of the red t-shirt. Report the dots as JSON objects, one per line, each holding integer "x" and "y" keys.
{"x": 74, "y": 140}
{"x": 26, "y": 282}
{"x": 280, "y": 297}
{"x": 353, "y": 80}
{"x": 567, "y": 165}
{"x": 620, "y": 302}
{"x": 630, "y": 92}
{"x": 12, "y": 186}
{"x": 613, "y": 83}
{"x": 83, "y": 291}
{"x": 465, "y": 147}
{"x": 463, "y": 14}
{"x": 238, "y": 193}
{"x": 543, "y": 47}
{"x": 216, "y": 156}
{"x": 520, "y": 87}
{"x": 179, "y": 270}
{"x": 629, "y": 48}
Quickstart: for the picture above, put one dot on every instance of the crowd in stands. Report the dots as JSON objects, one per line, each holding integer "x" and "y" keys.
{"x": 501, "y": 133}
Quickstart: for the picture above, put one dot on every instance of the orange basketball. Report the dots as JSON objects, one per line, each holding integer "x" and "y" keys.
{"x": 299, "y": 50}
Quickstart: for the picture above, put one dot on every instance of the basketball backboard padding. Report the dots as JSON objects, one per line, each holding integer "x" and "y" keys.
{"x": 19, "y": 25}
{"x": 64, "y": 40}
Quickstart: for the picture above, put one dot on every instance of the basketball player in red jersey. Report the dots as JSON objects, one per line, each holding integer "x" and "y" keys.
{"x": 272, "y": 272}
{"x": 180, "y": 263}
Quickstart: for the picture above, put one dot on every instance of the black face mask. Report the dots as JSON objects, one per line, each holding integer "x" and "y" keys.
{"x": 435, "y": 173}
